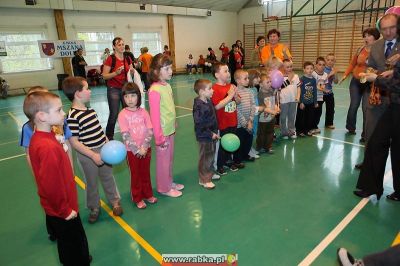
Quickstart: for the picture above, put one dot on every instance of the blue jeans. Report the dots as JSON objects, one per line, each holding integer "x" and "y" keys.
{"x": 358, "y": 92}
{"x": 114, "y": 97}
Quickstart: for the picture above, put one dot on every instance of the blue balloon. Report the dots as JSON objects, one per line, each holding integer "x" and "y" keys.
{"x": 113, "y": 152}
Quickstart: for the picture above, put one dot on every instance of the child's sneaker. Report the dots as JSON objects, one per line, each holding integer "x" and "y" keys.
{"x": 221, "y": 171}
{"x": 151, "y": 200}
{"x": 330, "y": 127}
{"x": 316, "y": 131}
{"x": 256, "y": 156}
{"x": 234, "y": 168}
{"x": 173, "y": 193}
{"x": 293, "y": 136}
{"x": 177, "y": 186}
{"x": 302, "y": 135}
{"x": 285, "y": 137}
{"x": 208, "y": 185}
{"x": 270, "y": 151}
{"x": 216, "y": 177}
{"x": 117, "y": 210}
{"x": 239, "y": 165}
{"x": 310, "y": 133}
{"x": 141, "y": 205}
{"x": 262, "y": 150}
{"x": 93, "y": 215}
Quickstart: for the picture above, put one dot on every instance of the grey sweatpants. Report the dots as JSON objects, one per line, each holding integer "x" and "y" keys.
{"x": 104, "y": 172}
{"x": 287, "y": 118}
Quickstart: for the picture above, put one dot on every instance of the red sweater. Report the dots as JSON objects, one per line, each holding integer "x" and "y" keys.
{"x": 226, "y": 116}
{"x": 53, "y": 174}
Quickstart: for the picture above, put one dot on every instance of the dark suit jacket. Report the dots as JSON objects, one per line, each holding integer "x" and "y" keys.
{"x": 376, "y": 58}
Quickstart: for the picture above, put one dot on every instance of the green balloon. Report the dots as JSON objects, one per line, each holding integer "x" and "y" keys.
{"x": 230, "y": 142}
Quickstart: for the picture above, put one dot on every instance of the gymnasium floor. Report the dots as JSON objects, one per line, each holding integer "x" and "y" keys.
{"x": 273, "y": 212}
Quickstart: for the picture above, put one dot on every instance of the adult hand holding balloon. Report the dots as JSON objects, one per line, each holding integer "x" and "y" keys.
{"x": 276, "y": 79}
{"x": 113, "y": 152}
{"x": 230, "y": 142}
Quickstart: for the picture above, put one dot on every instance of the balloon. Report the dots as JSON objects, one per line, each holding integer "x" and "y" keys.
{"x": 113, "y": 152}
{"x": 393, "y": 10}
{"x": 377, "y": 24}
{"x": 230, "y": 142}
{"x": 276, "y": 79}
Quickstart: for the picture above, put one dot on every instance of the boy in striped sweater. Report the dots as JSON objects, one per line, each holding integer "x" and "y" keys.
{"x": 87, "y": 139}
{"x": 245, "y": 114}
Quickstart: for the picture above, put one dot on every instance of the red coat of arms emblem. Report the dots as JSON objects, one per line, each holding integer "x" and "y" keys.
{"x": 48, "y": 48}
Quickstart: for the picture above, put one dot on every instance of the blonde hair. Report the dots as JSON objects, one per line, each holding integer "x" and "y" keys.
{"x": 38, "y": 101}
{"x": 239, "y": 73}
{"x": 274, "y": 62}
{"x": 37, "y": 88}
{"x": 264, "y": 77}
{"x": 201, "y": 84}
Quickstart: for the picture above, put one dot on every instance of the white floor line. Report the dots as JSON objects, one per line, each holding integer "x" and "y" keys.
{"x": 183, "y": 107}
{"x": 338, "y": 140}
{"x": 15, "y": 119}
{"x": 8, "y": 142}
{"x": 334, "y": 233}
{"x": 12, "y": 157}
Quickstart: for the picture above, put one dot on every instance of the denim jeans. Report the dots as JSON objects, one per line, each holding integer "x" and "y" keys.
{"x": 114, "y": 97}
{"x": 358, "y": 93}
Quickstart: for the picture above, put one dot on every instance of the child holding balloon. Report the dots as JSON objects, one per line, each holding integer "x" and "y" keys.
{"x": 206, "y": 129}
{"x": 137, "y": 131}
{"x": 163, "y": 119}
{"x": 87, "y": 139}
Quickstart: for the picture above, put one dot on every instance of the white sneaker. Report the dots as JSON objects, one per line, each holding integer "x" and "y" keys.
{"x": 216, "y": 177}
{"x": 293, "y": 136}
{"x": 317, "y": 131}
{"x": 208, "y": 185}
{"x": 256, "y": 156}
{"x": 173, "y": 193}
{"x": 177, "y": 186}
{"x": 285, "y": 137}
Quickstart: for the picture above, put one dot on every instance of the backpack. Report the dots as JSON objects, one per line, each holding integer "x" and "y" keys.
{"x": 114, "y": 61}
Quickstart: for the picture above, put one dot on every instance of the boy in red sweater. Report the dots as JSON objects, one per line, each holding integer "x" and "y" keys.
{"x": 224, "y": 99}
{"x": 55, "y": 179}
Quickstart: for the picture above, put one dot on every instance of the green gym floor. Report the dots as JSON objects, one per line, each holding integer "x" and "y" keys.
{"x": 294, "y": 205}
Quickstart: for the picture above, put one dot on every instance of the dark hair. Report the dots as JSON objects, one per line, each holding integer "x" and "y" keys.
{"x": 71, "y": 85}
{"x": 239, "y": 42}
{"x": 116, "y": 39}
{"x": 132, "y": 88}
{"x": 127, "y": 46}
{"x": 201, "y": 84}
{"x": 216, "y": 67}
{"x": 274, "y": 31}
{"x": 234, "y": 46}
{"x": 320, "y": 58}
{"x": 372, "y": 31}
{"x": 209, "y": 49}
{"x": 259, "y": 38}
{"x": 307, "y": 63}
{"x": 158, "y": 61}
{"x": 165, "y": 46}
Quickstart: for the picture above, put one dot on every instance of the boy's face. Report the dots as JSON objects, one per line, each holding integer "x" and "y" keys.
{"x": 131, "y": 100}
{"x": 308, "y": 70}
{"x": 207, "y": 92}
{"x": 288, "y": 67}
{"x": 320, "y": 66}
{"x": 330, "y": 61}
{"x": 84, "y": 94}
{"x": 256, "y": 81}
{"x": 243, "y": 80}
{"x": 55, "y": 115}
{"x": 223, "y": 74}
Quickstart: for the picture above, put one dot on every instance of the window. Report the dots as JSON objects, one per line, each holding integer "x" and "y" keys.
{"x": 23, "y": 52}
{"x": 151, "y": 40}
{"x": 95, "y": 43}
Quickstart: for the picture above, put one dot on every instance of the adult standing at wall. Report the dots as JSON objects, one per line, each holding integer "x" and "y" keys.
{"x": 255, "y": 59}
{"x": 359, "y": 91}
{"x": 274, "y": 48}
{"x": 115, "y": 72}
{"x": 241, "y": 50}
{"x": 79, "y": 64}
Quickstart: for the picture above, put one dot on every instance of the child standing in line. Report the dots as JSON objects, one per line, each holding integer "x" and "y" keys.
{"x": 61, "y": 135}
{"x": 319, "y": 75}
{"x": 254, "y": 82}
{"x": 266, "y": 124}
{"x": 87, "y": 139}
{"x": 289, "y": 97}
{"x": 329, "y": 98}
{"x": 55, "y": 178}
{"x": 224, "y": 99}
{"x": 206, "y": 129}
{"x": 308, "y": 101}
{"x": 137, "y": 131}
{"x": 163, "y": 118}
{"x": 245, "y": 112}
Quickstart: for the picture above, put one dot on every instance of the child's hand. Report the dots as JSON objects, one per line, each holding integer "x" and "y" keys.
{"x": 232, "y": 92}
{"x": 72, "y": 215}
{"x": 302, "y": 106}
{"x": 215, "y": 136}
{"x": 97, "y": 159}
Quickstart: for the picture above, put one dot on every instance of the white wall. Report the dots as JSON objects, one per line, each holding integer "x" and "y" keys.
{"x": 195, "y": 34}
{"x": 24, "y": 18}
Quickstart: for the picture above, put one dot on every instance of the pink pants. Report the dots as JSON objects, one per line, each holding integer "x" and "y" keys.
{"x": 165, "y": 160}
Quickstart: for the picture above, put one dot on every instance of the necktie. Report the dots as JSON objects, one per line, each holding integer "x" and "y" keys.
{"x": 388, "y": 49}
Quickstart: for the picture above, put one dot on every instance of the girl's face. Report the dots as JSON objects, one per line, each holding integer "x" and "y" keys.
{"x": 165, "y": 73}
{"x": 369, "y": 39}
{"x": 131, "y": 100}
{"x": 288, "y": 67}
{"x": 261, "y": 43}
{"x": 119, "y": 46}
{"x": 266, "y": 85}
{"x": 330, "y": 61}
{"x": 256, "y": 81}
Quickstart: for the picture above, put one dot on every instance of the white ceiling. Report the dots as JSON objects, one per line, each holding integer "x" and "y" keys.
{"x": 221, "y": 5}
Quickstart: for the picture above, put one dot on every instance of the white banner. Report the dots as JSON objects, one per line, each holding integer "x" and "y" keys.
{"x": 61, "y": 48}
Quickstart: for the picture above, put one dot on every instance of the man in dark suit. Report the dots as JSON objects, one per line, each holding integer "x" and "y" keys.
{"x": 380, "y": 51}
